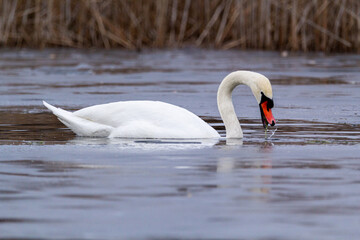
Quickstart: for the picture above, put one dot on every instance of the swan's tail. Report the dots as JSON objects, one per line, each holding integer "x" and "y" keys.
{"x": 80, "y": 126}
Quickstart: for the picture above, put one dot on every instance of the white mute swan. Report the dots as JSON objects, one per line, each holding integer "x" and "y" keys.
{"x": 153, "y": 119}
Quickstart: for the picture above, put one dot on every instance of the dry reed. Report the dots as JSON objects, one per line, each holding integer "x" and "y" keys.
{"x": 307, "y": 25}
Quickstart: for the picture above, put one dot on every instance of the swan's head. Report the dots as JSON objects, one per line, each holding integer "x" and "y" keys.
{"x": 265, "y": 110}
{"x": 261, "y": 88}
{"x": 262, "y": 91}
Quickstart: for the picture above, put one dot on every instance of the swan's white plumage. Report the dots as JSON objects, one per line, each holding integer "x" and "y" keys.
{"x": 153, "y": 119}
{"x": 135, "y": 119}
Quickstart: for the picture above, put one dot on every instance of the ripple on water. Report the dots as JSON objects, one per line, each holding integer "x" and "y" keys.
{"x": 43, "y": 128}
{"x": 302, "y": 181}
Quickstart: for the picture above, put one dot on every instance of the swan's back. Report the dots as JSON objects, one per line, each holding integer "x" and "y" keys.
{"x": 121, "y": 113}
{"x": 144, "y": 119}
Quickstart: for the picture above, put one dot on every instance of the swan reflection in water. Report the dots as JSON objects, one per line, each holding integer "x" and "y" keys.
{"x": 259, "y": 183}
{"x": 164, "y": 144}
{"x": 147, "y": 144}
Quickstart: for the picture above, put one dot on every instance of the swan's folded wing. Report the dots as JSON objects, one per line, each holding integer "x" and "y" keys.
{"x": 149, "y": 119}
{"x": 80, "y": 126}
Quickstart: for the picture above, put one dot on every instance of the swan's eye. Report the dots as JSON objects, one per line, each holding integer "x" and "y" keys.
{"x": 270, "y": 103}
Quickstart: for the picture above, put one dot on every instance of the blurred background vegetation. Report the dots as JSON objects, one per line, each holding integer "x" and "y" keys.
{"x": 305, "y": 25}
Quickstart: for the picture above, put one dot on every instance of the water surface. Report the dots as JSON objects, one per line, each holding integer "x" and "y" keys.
{"x": 302, "y": 183}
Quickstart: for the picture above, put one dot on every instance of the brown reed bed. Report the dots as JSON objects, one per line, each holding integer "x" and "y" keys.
{"x": 306, "y": 25}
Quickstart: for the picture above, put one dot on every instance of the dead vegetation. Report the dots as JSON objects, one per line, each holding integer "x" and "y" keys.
{"x": 307, "y": 25}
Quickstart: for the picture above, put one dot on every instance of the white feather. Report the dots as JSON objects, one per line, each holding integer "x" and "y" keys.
{"x": 152, "y": 119}
{"x": 135, "y": 119}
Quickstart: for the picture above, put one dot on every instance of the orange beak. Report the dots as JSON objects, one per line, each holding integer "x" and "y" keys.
{"x": 266, "y": 115}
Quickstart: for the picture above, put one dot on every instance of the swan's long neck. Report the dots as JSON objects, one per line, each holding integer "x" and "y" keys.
{"x": 225, "y": 104}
